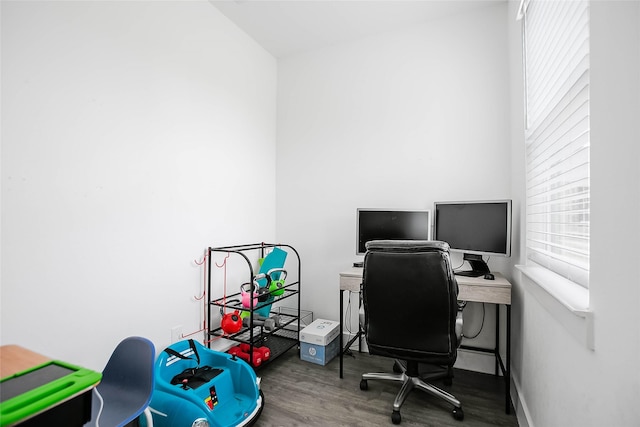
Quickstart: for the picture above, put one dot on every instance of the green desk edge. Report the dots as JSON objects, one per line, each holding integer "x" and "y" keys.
{"x": 40, "y": 398}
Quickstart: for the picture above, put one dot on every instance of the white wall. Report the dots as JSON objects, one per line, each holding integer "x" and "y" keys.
{"x": 134, "y": 135}
{"x": 559, "y": 381}
{"x": 399, "y": 120}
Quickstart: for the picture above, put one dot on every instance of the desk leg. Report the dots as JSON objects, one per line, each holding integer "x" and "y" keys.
{"x": 506, "y": 370}
{"x": 341, "y": 351}
{"x": 500, "y": 364}
{"x": 497, "y": 336}
{"x": 360, "y": 331}
{"x": 508, "y": 367}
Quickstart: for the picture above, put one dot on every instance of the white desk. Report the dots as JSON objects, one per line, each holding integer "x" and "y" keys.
{"x": 471, "y": 289}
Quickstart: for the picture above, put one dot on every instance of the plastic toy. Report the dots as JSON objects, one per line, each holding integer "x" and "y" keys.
{"x": 269, "y": 323}
{"x": 248, "y": 290}
{"x": 276, "y": 287}
{"x": 264, "y": 351}
{"x": 260, "y": 354}
{"x": 244, "y": 355}
{"x": 36, "y": 389}
{"x": 273, "y": 262}
{"x": 231, "y": 322}
{"x": 196, "y": 386}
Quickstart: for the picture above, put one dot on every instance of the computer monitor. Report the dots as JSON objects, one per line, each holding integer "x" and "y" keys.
{"x": 387, "y": 224}
{"x": 475, "y": 228}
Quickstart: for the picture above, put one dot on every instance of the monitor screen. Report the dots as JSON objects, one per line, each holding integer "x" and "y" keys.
{"x": 380, "y": 224}
{"x": 475, "y": 228}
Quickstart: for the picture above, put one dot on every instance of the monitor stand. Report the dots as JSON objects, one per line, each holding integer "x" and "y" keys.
{"x": 478, "y": 266}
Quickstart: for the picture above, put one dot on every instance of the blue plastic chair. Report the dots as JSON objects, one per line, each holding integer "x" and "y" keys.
{"x": 127, "y": 384}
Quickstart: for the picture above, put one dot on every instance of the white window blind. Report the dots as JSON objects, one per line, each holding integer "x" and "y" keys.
{"x": 556, "y": 44}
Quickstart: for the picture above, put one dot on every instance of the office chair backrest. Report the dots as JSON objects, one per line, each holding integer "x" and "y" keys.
{"x": 410, "y": 300}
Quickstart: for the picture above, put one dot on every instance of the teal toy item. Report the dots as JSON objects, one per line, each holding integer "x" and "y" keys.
{"x": 274, "y": 261}
{"x": 197, "y": 386}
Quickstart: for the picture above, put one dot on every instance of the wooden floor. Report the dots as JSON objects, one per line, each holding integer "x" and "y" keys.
{"x": 299, "y": 393}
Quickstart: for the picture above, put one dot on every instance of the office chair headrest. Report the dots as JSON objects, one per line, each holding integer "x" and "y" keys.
{"x": 404, "y": 245}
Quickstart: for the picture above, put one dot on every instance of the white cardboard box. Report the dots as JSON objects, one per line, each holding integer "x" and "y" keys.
{"x": 321, "y": 332}
{"x": 319, "y": 354}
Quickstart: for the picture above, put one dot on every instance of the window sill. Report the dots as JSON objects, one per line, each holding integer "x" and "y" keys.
{"x": 565, "y": 300}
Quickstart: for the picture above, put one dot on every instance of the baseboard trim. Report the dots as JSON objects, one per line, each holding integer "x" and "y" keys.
{"x": 520, "y": 406}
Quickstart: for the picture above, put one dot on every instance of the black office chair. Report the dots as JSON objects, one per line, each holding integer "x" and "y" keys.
{"x": 412, "y": 315}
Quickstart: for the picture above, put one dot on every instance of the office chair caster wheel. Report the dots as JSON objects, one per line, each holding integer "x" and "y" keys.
{"x": 458, "y": 414}
{"x": 395, "y": 417}
{"x": 364, "y": 385}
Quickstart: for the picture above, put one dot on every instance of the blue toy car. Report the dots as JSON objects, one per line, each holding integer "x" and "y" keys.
{"x": 199, "y": 387}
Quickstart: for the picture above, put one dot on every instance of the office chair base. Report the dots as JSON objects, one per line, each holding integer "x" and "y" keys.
{"x": 409, "y": 382}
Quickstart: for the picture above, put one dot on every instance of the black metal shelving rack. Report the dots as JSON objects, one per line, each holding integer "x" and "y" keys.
{"x": 279, "y": 339}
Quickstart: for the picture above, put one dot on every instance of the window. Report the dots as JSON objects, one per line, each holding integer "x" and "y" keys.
{"x": 556, "y": 68}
